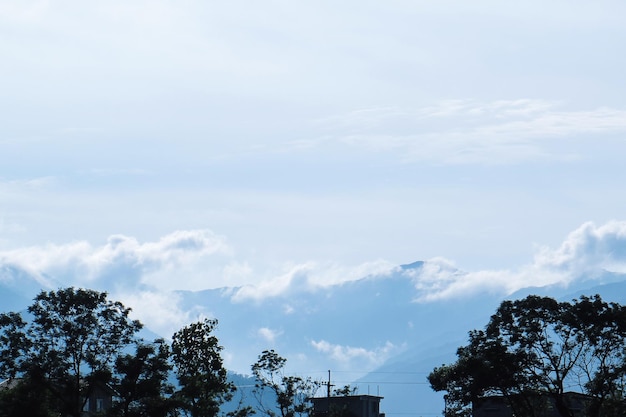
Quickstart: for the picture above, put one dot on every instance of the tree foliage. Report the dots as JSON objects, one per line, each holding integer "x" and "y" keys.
{"x": 200, "y": 370}
{"x": 76, "y": 342}
{"x": 26, "y": 398}
{"x": 345, "y": 391}
{"x": 68, "y": 345}
{"x": 290, "y": 392}
{"x": 13, "y": 342}
{"x": 141, "y": 381}
{"x": 535, "y": 350}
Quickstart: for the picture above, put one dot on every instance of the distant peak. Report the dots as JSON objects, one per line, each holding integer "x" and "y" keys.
{"x": 414, "y": 265}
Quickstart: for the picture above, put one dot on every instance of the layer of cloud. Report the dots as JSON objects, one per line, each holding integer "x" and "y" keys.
{"x": 310, "y": 276}
{"x": 269, "y": 335}
{"x": 140, "y": 274}
{"x": 143, "y": 275}
{"x": 125, "y": 262}
{"x": 14, "y": 185}
{"x": 349, "y": 356}
{"x": 160, "y": 311}
{"x": 471, "y": 132}
{"x": 588, "y": 253}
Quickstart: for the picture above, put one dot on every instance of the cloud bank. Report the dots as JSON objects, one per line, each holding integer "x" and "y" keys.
{"x": 351, "y": 357}
{"x": 124, "y": 261}
{"x": 310, "y": 276}
{"x": 144, "y": 275}
{"x": 588, "y": 253}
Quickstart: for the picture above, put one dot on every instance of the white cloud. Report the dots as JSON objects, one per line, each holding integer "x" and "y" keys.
{"x": 293, "y": 279}
{"x": 158, "y": 310}
{"x": 434, "y": 284}
{"x": 269, "y": 335}
{"x": 124, "y": 261}
{"x": 143, "y": 275}
{"x": 587, "y": 253}
{"x": 348, "y": 355}
{"x": 311, "y": 276}
{"x": 122, "y": 172}
{"x": 30, "y": 184}
{"x": 471, "y": 132}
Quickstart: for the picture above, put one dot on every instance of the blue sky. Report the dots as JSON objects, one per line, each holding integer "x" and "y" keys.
{"x": 147, "y": 146}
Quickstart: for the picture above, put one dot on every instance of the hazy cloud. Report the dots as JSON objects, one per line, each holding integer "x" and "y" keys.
{"x": 29, "y": 184}
{"x": 471, "y": 132}
{"x": 347, "y": 355}
{"x": 268, "y": 335}
{"x": 310, "y": 277}
{"x": 126, "y": 262}
{"x": 159, "y": 310}
{"x": 140, "y": 274}
{"x": 143, "y": 275}
{"x": 587, "y": 253}
{"x": 295, "y": 278}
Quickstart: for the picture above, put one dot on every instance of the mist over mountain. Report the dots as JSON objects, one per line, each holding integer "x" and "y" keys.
{"x": 371, "y": 333}
{"x": 374, "y": 333}
{"x": 403, "y": 378}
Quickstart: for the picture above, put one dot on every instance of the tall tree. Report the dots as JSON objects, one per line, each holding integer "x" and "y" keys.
{"x": 141, "y": 381}
{"x": 68, "y": 344}
{"x": 196, "y": 354}
{"x": 290, "y": 392}
{"x": 536, "y": 349}
{"x": 13, "y": 342}
{"x": 25, "y": 398}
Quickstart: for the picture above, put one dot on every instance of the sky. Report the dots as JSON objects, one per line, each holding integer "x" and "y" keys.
{"x": 151, "y": 146}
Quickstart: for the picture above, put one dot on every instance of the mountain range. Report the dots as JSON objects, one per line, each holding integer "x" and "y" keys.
{"x": 371, "y": 333}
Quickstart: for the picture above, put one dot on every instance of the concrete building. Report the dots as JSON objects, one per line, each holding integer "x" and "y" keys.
{"x": 347, "y": 406}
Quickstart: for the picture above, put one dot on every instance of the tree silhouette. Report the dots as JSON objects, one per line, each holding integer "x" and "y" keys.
{"x": 290, "y": 392}
{"x": 536, "y": 349}
{"x": 200, "y": 370}
{"x": 67, "y": 346}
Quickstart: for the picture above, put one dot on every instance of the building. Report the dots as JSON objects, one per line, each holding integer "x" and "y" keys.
{"x": 99, "y": 400}
{"x": 543, "y": 405}
{"x": 347, "y": 406}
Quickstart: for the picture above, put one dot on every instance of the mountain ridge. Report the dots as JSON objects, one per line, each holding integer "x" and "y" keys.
{"x": 371, "y": 332}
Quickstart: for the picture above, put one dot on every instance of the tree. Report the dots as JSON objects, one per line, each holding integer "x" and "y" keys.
{"x": 345, "y": 391}
{"x": 13, "y": 341}
{"x": 200, "y": 370}
{"x": 24, "y": 398}
{"x": 484, "y": 367}
{"x": 291, "y": 392}
{"x": 141, "y": 381}
{"x": 68, "y": 345}
{"x": 536, "y": 349}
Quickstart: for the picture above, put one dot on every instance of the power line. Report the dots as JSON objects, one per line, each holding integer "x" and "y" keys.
{"x": 391, "y": 383}
{"x": 372, "y": 372}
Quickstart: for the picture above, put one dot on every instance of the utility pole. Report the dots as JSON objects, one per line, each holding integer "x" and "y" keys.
{"x": 328, "y": 385}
